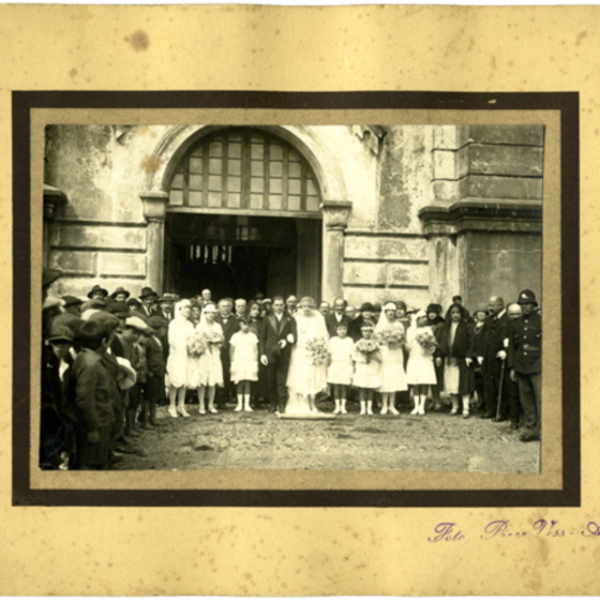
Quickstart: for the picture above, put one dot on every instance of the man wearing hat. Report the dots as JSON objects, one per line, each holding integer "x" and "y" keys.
{"x": 525, "y": 363}
{"x": 120, "y": 295}
{"x": 71, "y": 316}
{"x": 97, "y": 293}
{"x": 165, "y": 306}
{"x": 156, "y": 363}
{"x": 367, "y": 316}
{"x": 49, "y": 276}
{"x": 147, "y": 297}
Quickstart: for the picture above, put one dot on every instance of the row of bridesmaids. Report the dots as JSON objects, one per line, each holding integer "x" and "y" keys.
{"x": 387, "y": 358}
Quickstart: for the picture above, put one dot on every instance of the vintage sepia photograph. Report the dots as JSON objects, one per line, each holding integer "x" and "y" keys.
{"x": 327, "y": 297}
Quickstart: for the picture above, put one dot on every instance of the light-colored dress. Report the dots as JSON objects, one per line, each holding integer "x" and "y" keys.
{"x": 391, "y": 372}
{"x": 451, "y": 368}
{"x": 304, "y": 378}
{"x": 366, "y": 374}
{"x": 341, "y": 369}
{"x": 180, "y": 330}
{"x": 244, "y": 366}
{"x": 420, "y": 369}
{"x": 207, "y": 370}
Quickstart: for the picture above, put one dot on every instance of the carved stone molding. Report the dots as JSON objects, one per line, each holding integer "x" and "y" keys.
{"x": 155, "y": 206}
{"x": 336, "y": 214}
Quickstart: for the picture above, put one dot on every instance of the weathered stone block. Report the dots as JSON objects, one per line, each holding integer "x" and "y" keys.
{"x": 114, "y": 264}
{"x": 411, "y": 274}
{"x": 72, "y": 263}
{"x": 506, "y": 160}
{"x": 450, "y": 137}
{"x": 447, "y": 191}
{"x": 525, "y": 135}
{"x": 489, "y": 186}
{"x": 98, "y": 236}
{"x": 364, "y": 273}
{"x": 385, "y": 248}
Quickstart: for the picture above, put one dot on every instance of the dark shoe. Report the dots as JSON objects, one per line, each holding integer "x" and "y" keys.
{"x": 499, "y": 419}
{"x": 514, "y": 424}
{"x": 528, "y": 437}
{"x": 486, "y": 416}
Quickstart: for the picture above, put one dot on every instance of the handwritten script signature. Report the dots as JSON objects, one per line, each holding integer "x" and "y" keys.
{"x": 504, "y": 528}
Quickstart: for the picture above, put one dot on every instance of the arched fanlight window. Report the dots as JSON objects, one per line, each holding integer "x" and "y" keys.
{"x": 244, "y": 168}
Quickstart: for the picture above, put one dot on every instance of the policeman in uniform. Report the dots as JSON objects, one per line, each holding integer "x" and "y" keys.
{"x": 525, "y": 363}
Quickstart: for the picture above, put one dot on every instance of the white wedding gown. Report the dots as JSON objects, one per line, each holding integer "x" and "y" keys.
{"x": 305, "y": 379}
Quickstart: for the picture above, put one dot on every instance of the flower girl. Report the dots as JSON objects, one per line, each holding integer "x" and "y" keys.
{"x": 367, "y": 357}
{"x": 243, "y": 351}
{"x": 339, "y": 372}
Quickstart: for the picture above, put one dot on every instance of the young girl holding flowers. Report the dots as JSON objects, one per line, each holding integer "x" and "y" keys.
{"x": 420, "y": 371}
{"x": 243, "y": 350}
{"x": 339, "y": 373}
{"x": 367, "y": 357}
{"x": 389, "y": 333}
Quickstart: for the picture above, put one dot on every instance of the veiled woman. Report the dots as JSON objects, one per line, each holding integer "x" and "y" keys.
{"x": 307, "y": 374}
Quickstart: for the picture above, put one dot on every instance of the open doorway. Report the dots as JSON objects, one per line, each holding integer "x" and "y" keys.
{"x": 241, "y": 255}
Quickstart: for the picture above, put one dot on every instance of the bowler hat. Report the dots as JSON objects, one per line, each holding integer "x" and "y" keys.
{"x": 120, "y": 290}
{"x": 71, "y": 301}
{"x": 98, "y": 288}
{"x": 60, "y": 333}
{"x": 126, "y": 377}
{"x": 527, "y": 297}
{"x": 433, "y": 308}
{"x": 147, "y": 291}
{"x": 367, "y": 307}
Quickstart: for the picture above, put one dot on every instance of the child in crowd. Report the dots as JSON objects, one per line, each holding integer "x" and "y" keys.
{"x": 95, "y": 392}
{"x": 339, "y": 372}
{"x": 155, "y": 383}
{"x": 367, "y": 357}
{"x": 243, "y": 351}
{"x": 420, "y": 371}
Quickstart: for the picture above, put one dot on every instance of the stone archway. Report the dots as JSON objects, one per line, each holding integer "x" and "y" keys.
{"x": 335, "y": 205}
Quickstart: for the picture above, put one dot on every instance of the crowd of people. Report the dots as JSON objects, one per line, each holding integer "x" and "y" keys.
{"x": 108, "y": 361}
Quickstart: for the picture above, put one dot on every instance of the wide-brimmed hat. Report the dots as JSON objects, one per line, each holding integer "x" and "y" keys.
{"x": 126, "y": 377}
{"x": 120, "y": 290}
{"x": 103, "y": 317}
{"x": 60, "y": 333}
{"x": 527, "y": 297}
{"x": 367, "y": 307}
{"x": 71, "y": 301}
{"x": 97, "y": 288}
{"x": 148, "y": 291}
{"x": 137, "y": 324}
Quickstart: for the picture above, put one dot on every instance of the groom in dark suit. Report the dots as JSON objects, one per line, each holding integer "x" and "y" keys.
{"x": 276, "y": 336}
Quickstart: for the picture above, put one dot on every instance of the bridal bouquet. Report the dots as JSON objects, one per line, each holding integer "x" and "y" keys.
{"x": 426, "y": 340}
{"x": 214, "y": 338}
{"x": 196, "y": 344}
{"x": 317, "y": 351}
{"x": 393, "y": 335}
{"x": 368, "y": 348}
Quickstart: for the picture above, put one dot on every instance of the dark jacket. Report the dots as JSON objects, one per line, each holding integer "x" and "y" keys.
{"x": 494, "y": 332}
{"x": 270, "y": 333}
{"x": 525, "y": 345}
{"x": 232, "y": 326}
{"x": 332, "y": 323}
{"x": 95, "y": 391}
{"x": 155, "y": 358}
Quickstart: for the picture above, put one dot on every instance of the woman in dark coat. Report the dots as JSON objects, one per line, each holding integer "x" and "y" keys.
{"x": 260, "y": 388}
{"x": 455, "y": 339}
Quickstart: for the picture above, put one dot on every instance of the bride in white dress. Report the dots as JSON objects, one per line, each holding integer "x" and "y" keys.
{"x": 307, "y": 374}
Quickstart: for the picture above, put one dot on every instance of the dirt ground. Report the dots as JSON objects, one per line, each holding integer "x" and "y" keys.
{"x": 259, "y": 440}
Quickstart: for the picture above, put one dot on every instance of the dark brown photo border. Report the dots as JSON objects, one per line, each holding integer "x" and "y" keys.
{"x": 565, "y": 102}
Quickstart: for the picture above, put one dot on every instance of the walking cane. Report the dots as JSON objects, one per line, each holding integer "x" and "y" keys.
{"x": 500, "y": 388}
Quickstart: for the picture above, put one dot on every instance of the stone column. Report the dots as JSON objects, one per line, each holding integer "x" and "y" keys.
{"x": 53, "y": 199}
{"x": 155, "y": 210}
{"x": 335, "y": 219}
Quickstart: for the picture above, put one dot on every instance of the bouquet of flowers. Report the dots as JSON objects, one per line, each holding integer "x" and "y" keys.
{"x": 393, "y": 335}
{"x": 196, "y": 345}
{"x": 426, "y": 340}
{"x": 214, "y": 338}
{"x": 367, "y": 348}
{"x": 317, "y": 351}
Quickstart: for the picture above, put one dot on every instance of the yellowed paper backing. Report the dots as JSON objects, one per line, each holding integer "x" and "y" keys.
{"x": 308, "y": 551}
